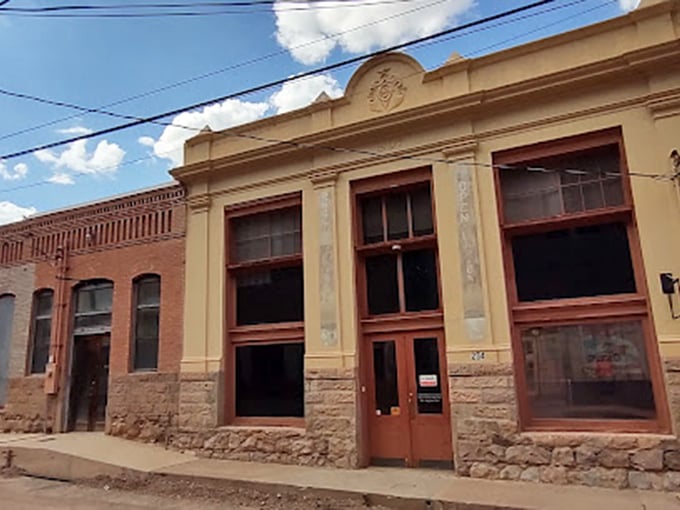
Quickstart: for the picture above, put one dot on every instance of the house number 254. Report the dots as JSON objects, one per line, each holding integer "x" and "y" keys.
{"x": 478, "y": 355}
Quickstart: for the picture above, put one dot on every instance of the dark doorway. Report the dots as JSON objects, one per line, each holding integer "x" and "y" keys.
{"x": 89, "y": 382}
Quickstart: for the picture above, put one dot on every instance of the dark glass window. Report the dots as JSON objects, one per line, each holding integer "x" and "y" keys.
{"x": 147, "y": 320}
{"x": 95, "y": 298}
{"x": 372, "y": 220}
{"x": 42, "y": 324}
{"x": 397, "y": 216}
{"x": 421, "y": 211}
{"x": 592, "y": 371}
{"x": 385, "y": 371}
{"x": 267, "y": 235}
{"x": 382, "y": 285}
{"x": 428, "y": 376}
{"x": 404, "y": 279}
{"x": 420, "y": 280}
{"x": 408, "y": 214}
{"x": 569, "y": 263}
{"x": 269, "y": 296}
{"x": 270, "y": 380}
{"x": 581, "y": 182}
{"x": 93, "y": 307}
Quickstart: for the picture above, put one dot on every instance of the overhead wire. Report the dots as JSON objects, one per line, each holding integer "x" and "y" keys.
{"x": 308, "y": 146}
{"x": 224, "y": 69}
{"x": 276, "y": 83}
{"x": 204, "y": 9}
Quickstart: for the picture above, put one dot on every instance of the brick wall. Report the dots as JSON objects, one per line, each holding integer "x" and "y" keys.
{"x": 122, "y": 266}
{"x": 490, "y": 445}
{"x": 329, "y": 437}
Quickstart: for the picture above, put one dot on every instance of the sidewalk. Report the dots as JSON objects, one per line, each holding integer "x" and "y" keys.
{"x": 86, "y": 455}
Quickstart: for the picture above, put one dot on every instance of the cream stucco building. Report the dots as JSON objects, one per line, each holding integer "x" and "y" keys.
{"x": 456, "y": 268}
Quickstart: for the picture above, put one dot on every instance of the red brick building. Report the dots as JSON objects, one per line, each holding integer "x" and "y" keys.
{"x": 91, "y": 316}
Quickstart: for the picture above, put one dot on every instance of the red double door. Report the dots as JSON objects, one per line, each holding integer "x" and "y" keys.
{"x": 408, "y": 405}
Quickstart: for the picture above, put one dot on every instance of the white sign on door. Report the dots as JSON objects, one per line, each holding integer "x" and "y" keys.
{"x": 427, "y": 381}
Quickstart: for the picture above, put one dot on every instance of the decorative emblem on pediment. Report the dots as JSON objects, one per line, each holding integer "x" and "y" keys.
{"x": 387, "y": 92}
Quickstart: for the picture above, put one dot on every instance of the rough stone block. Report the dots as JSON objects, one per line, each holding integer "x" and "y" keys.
{"x": 645, "y": 481}
{"x": 647, "y": 460}
{"x": 671, "y": 460}
{"x": 483, "y": 470}
{"x": 510, "y": 473}
{"x": 563, "y": 456}
{"x": 613, "y": 458}
{"x": 554, "y": 474}
{"x": 527, "y": 455}
{"x": 587, "y": 455}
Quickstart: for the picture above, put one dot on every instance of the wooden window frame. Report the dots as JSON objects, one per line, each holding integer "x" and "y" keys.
{"x": 582, "y": 310}
{"x": 256, "y": 334}
{"x": 135, "y": 318}
{"x": 34, "y": 329}
{"x": 382, "y": 186}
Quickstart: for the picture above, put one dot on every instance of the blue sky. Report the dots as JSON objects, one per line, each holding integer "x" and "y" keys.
{"x": 95, "y": 62}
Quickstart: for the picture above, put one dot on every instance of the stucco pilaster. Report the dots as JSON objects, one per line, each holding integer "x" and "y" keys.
{"x": 195, "y": 352}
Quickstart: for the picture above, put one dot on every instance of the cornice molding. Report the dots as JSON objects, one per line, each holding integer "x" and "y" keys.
{"x": 463, "y": 149}
{"x": 199, "y": 203}
{"x": 600, "y": 73}
{"x": 324, "y": 178}
{"x": 666, "y": 105}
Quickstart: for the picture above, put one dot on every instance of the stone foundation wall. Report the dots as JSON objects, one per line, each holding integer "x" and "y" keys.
{"x": 488, "y": 442}
{"x": 143, "y": 406}
{"x": 328, "y": 438}
{"x": 26, "y": 405}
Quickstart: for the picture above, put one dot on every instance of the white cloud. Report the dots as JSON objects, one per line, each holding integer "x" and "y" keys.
{"x": 219, "y": 116}
{"x": 61, "y": 178}
{"x": 299, "y": 93}
{"x": 146, "y": 141}
{"x": 17, "y": 173}
{"x": 10, "y": 212}
{"x": 629, "y": 5}
{"x": 76, "y": 130}
{"x": 105, "y": 159}
{"x": 232, "y": 112}
{"x": 311, "y": 33}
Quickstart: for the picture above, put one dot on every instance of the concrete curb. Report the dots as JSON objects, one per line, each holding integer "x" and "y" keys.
{"x": 46, "y": 463}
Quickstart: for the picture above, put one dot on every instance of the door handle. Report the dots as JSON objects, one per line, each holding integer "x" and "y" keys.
{"x": 411, "y": 407}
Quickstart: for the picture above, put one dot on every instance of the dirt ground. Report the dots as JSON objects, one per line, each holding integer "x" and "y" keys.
{"x": 157, "y": 491}
{"x": 237, "y": 496}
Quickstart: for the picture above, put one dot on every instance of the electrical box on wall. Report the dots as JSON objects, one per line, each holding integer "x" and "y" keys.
{"x": 51, "y": 379}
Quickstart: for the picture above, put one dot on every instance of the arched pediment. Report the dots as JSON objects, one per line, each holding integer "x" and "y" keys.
{"x": 385, "y": 82}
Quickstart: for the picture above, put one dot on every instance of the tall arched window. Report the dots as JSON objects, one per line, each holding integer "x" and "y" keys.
{"x": 42, "y": 326}
{"x": 147, "y": 296}
{"x": 6, "y": 318}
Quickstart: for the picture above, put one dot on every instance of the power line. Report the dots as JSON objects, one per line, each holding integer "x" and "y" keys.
{"x": 242, "y": 7}
{"x": 222, "y": 70}
{"x": 259, "y": 88}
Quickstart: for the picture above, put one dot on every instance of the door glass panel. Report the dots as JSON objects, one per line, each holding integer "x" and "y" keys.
{"x": 420, "y": 280}
{"x": 385, "y": 374}
{"x": 429, "y": 394}
{"x": 397, "y": 216}
{"x": 381, "y": 284}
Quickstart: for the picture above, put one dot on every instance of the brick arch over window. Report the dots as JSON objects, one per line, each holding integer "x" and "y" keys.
{"x": 146, "y": 298}
{"x": 6, "y": 319}
{"x": 41, "y": 327}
